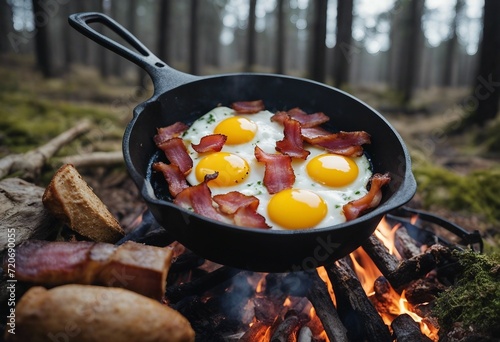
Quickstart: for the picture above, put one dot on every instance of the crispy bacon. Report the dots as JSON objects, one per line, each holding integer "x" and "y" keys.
{"x": 292, "y": 143}
{"x": 210, "y": 143}
{"x": 177, "y": 154}
{"x": 372, "y": 199}
{"x": 248, "y": 107}
{"x": 345, "y": 143}
{"x": 199, "y": 199}
{"x": 230, "y": 202}
{"x": 176, "y": 180}
{"x": 243, "y": 207}
{"x": 134, "y": 266}
{"x": 248, "y": 217}
{"x": 169, "y": 132}
{"x": 308, "y": 120}
{"x": 278, "y": 174}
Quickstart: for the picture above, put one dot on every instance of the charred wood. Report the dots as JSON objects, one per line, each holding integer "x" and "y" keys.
{"x": 310, "y": 284}
{"x": 287, "y": 330}
{"x": 405, "y": 329}
{"x": 201, "y": 285}
{"x": 385, "y": 299}
{"x": 405, "y": 244}
{"x": 355, "y": 310}
{"x": 257, "y": 332}
{"x": 379, "y": 254}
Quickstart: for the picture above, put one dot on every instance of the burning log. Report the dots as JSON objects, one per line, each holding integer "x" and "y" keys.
{"x": 257, "y": 332}
{"x": 407, "y": 330}
{"x": 385, "y": 298}
{"x": 311, "y": 285}
{"x": 400, "y": 274}
{"x": 287, "y": 330}
{"x": 355, "y": 309}
{"x": 199, "y": 286}
{"x": 405, "y": 244}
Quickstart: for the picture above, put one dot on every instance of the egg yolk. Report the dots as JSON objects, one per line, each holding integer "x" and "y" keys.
{"x": 296, "y": 209}
{"x": 333, "y": 170}
{"x": 238, "y": 130}
{"x": 232, "y": 168}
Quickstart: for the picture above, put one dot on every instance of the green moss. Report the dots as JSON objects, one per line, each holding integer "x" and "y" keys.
{"x": 476, "y": 192}
{"x": 474, "y": 300}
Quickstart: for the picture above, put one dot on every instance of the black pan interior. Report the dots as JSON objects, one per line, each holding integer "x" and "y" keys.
{"x": 236, "y": 246}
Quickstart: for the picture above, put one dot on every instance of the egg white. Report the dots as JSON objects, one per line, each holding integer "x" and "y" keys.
{"x": 268, "y": 133}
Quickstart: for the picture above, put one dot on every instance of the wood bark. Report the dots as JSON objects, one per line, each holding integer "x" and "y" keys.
{"x": 357, "y": 313}
{"x": 250, "y": 48}
{"x": 31, "y": 163}
{"x": 487, "y": 84}
{"x": 317, "y": 54}
{"x": 23, "y": 213}
{"x": 343, "y": 47}
{"x": 407, "y": 330}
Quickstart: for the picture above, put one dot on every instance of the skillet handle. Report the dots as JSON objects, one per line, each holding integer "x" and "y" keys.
{"x": 164, "y": 77}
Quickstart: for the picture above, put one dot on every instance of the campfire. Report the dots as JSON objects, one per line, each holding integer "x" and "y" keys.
{"x": 381, "y": 292}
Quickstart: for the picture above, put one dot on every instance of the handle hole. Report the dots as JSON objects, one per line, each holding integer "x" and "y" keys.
{"x": 159, "y": 65}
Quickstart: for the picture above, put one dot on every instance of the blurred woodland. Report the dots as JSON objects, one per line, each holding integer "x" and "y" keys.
{"x": 431, "y": 67}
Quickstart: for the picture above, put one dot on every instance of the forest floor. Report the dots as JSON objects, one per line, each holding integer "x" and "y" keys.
{"x": 458, "y": 175}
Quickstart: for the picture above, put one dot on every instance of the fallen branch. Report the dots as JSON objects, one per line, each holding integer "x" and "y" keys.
{"x": 94, "y": 159}
{"x": 31, "y": 163}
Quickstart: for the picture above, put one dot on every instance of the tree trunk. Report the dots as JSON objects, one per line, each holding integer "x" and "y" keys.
{"x": 317, "y": 54}
{"x": 487, "y": 87}
{"x": 412, "y": 42}
{"x": 193, "y": 39}
{"x": 42, "y": 40}
{"x": 164, "y": 31}
{"x": 342, "y": 52}
{"x": 451, "y": 47}
{"x": 280, "y": 38}
{"x": 5, "y": 27}
{"x": 250, "y": 52}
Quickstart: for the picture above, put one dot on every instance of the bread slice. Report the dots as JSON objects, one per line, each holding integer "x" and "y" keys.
{"x": 69, "y": 198}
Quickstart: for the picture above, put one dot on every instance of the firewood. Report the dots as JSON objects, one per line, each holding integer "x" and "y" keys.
{"x": 310, "y": 284}
{"x": 407, "y": 330}
{"x": 199, "y": 286}
{"x": 287, "y": 330}
{"x": 30, "y": 164}
{"x": 385, "y": 299}
{"x": 355, "y": 309}
{"x": 405, "y": 244}
{"x": 379, "y": 254}
{"x": 257, "y": 332}
{"x": 23, "y": 213}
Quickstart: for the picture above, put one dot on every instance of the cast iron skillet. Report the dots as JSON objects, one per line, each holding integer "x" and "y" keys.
{"x": 184, "y": 97}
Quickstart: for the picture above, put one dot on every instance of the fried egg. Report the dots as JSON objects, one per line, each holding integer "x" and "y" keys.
{"x": 324, "y": 182}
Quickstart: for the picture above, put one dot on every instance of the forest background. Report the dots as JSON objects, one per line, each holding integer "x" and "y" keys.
{"x": 432, "y": 68}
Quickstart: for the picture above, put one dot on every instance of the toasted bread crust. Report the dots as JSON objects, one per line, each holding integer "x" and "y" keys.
{"x": 83, "y": 313}
{"x": 69, "y": 198}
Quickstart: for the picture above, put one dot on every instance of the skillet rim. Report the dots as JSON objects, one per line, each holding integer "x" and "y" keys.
{"x": 402, "y": 195}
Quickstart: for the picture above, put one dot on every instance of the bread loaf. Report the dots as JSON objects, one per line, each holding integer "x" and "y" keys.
{"x": 82, "y": 313}
{"x": 69, "y": 198}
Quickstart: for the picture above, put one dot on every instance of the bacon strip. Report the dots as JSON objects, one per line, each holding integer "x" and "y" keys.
{"x": 169, "y": 132}
{"x": 354, "y": 209}
{"x": 230, "y": 202}
{"x": 248, "y": 217}
{"x": 243, "y": 207}
{"x": 292, "y": 143}
{"x": 176, "y": 180}
{"x": 308, "y": 120}
{"x": 210, "y": 143}
{"x": 248, "y": 107}
{"x": 134, "y": 266}
{"x": 177, "y": 154}
{"x": 199, "y": 199}
{"x": 278, "y": 174}
{"x": 345, "y": 143}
